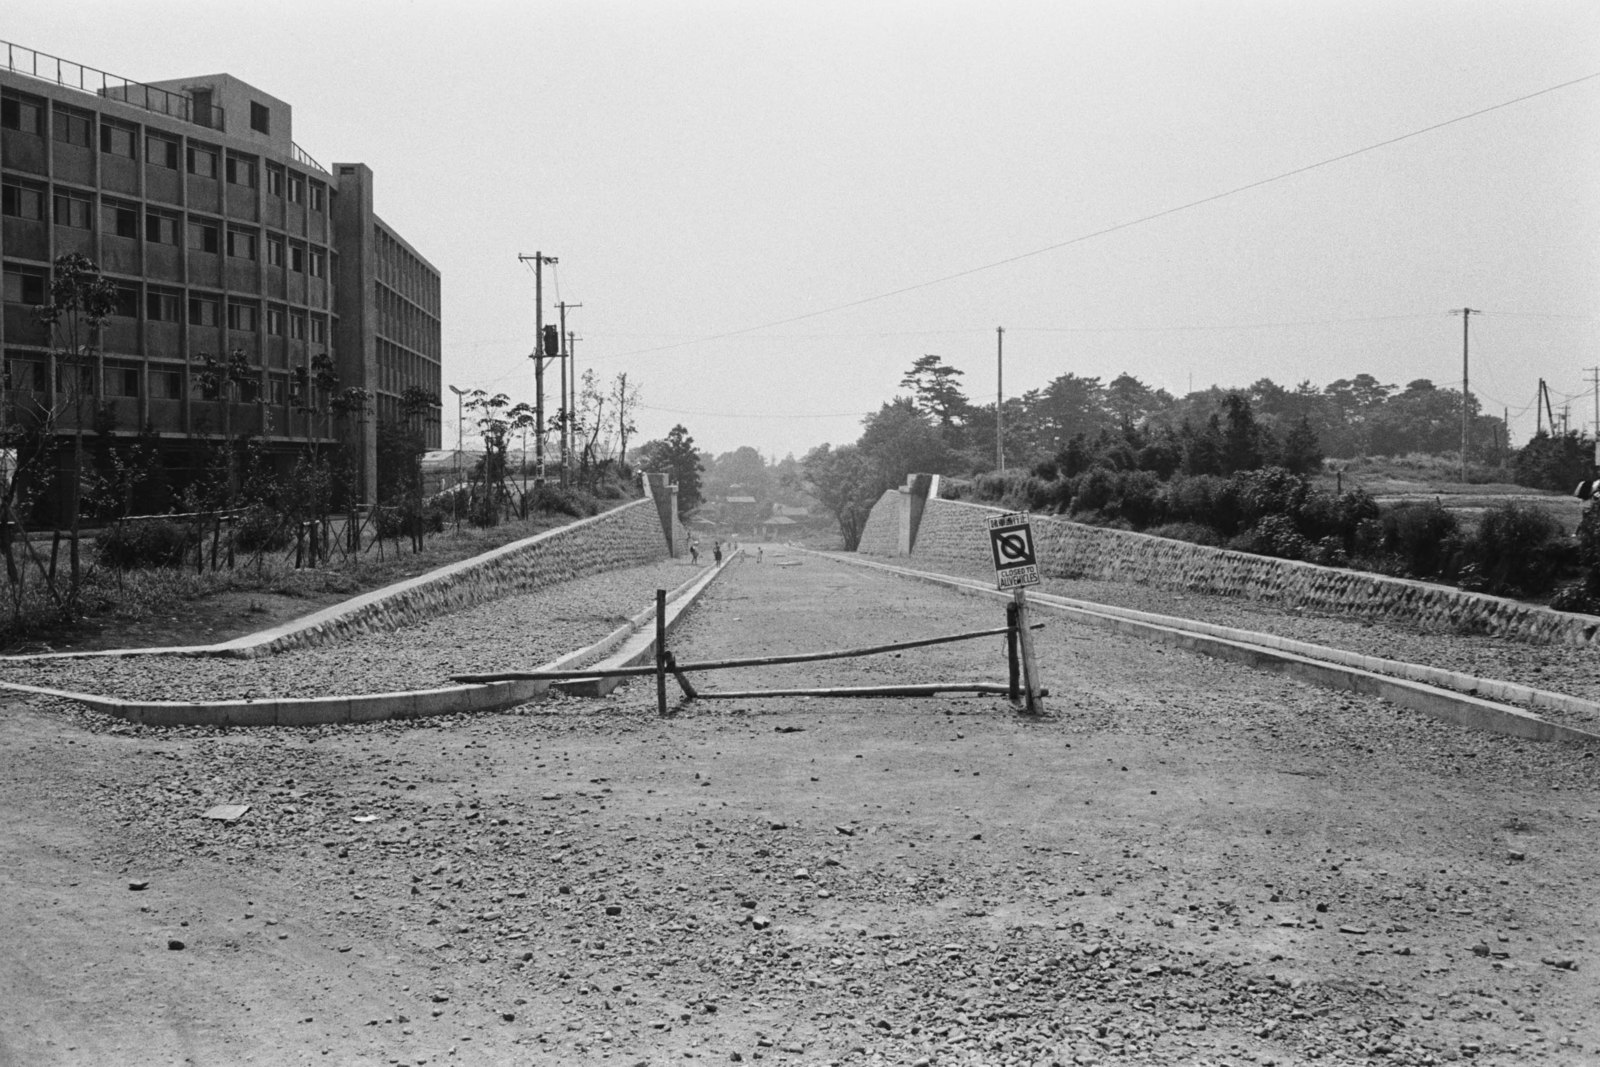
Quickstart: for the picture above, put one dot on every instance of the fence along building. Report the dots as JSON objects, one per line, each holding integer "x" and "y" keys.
{"x": 221, "y": 234}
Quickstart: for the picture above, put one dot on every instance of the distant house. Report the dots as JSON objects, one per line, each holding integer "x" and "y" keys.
{"x": 776, "y": 526}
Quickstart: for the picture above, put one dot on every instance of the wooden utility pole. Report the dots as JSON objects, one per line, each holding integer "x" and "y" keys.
{"x": 999, "y": 398}
{"x": 566, "y": 412}
{"x": 1466, "y": 314}
{"x": 1594, "y": 381}
{"x": 539, "y": 259}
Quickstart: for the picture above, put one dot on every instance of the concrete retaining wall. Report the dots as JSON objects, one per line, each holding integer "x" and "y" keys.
{"x": 953, "y": 533}
{"x": 626, "y": 536}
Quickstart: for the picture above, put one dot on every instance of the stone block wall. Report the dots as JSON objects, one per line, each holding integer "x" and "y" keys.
{"x": 625, "y": 536}
{"x": 953, "y": 534}
{"x": 881, "y": 535}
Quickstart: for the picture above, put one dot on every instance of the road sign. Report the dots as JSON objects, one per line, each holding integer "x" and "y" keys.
{"x": 1011, "y": 542}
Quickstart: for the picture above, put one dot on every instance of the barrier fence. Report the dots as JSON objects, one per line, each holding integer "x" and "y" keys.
{"x": 666, "y": 663}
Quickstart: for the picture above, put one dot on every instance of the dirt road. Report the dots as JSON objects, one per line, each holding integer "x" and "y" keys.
{"x": 1182, "y": 862}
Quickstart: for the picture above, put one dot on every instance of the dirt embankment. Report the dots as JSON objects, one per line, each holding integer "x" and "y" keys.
{"x": 1182, "y": 862}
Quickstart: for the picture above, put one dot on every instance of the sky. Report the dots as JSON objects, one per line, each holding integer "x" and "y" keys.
{"x": 769, "y": 210}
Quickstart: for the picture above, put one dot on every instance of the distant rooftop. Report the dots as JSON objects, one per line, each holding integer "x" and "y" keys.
{"x": 159, "y": 98}
{"x": 70, "y": 75}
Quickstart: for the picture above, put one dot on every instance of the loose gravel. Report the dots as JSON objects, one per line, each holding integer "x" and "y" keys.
{"x": 512, "y": 633}
{"x": 1557, "y": 668}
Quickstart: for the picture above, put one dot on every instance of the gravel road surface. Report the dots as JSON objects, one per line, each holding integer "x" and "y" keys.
{"x": 1182, "y": 862}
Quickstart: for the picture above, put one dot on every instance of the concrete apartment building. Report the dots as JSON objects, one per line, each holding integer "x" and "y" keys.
{"x": 221, "y": 235}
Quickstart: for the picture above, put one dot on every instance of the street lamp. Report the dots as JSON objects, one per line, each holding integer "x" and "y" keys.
{"x": 459, "y": 394}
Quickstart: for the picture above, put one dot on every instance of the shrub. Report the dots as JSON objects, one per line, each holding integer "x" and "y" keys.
{"x": 1421, "y": 537}
{"x": 1274, "y": 535}
{"x": 261, "y": 529}
{"x": 1269, "y": 491}
{"x": 1193, "y": 532}
{"x": 146, "y": 543}
{"x": 1520, "y": 550}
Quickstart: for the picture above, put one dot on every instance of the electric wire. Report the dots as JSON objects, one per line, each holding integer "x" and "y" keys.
{"x": 1127, "y": 224}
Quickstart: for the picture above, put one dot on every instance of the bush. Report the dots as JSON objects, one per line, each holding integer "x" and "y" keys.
{"x": 1267, "y": 492}
{"x": 146, "y": 543}
{"x": 553, "y": 499}
{"x": 1193, "y": 532}
{"x": 261, "y": 529}
{"x": 1275, "y": 535}
{"x": 1421, "y": 538}
{"x": 1519, "y": 549}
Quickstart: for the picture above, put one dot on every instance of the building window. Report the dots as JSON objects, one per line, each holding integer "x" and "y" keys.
{"x": 72, "y": 127}
{"x": 202, "y": 311}
{"x": 161, "y": 151}
{"x": 161, "y": 307}
{"x": 319, "y": 330}
{"x": 275, "y": 322}
{"x": 260, "y": 118}
{"x": 72, "y": 211}
{"x": 297, "y": 189}
{"x": 24, "y": 116}
{"x": 127, "y": 302}
{"x": 241, "y": 244}
{"x": 297, "y": 326}
{"x": 317, "y": 191}
{"x": 160, "y": 229}
{"x": 204, "y": 236}
{"x": 86, "y": 376}
{"x": 166, "y": 384}
{"x": 274, "y": 251}
{"x": 119, "y": 219}
{"x": 242, "y": 317}
{"x": 21, "y": 202}
{"x": 116, "y": 140}
{"x": 242, "y": 172}
{"x": 297, "y": 259}
{"x": 122, "y": 381}
{"x": 280, "y": 391}
{"x": 319, "y": 263}
{"x": 250, "y": 390}
{"x": 202, "y": 162}
{"x": 274, "y": 180}
{"x": 27, "y": 374}
{"x": 23, "y": 286}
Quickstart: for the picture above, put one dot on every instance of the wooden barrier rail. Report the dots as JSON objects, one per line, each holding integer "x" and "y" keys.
{"x": 666, "y": 663}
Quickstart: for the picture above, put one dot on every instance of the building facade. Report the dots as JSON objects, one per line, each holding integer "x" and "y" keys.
{"x": 222, "y": 236}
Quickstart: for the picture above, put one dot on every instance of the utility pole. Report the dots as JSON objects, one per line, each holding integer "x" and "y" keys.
{"x": 459, "y": 394}
{"x": 1594, "y": 380}
{"x": 572, "y": 353}
{"x": 539, "y": 259}
{"x": 999, "y": 398}
{"x": 566, "y": 412}
{"x": 1466, "y": 314}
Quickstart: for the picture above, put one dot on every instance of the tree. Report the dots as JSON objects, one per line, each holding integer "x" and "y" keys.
{"x": 80, "y": 302}
{"x": 935, "y": 392}
{"x": 223, "y": 380}
{"x": 898, "y": 441}
{"x": 624, "y": 408}
{"x": 844, "y": 482}
{"x": 676, "y": 457}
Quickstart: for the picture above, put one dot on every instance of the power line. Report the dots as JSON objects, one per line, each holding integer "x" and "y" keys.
{"x": 1123, "y": 225}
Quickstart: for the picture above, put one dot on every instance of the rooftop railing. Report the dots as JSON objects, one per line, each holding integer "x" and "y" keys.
{"x": 70, "y": 75}
{"x": 302, "y": 156}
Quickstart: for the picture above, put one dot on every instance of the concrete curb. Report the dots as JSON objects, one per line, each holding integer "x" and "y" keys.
{"x": 1441, "y": 694}
{"x": 640, "y": 647}
{"x": 375, "y": 707}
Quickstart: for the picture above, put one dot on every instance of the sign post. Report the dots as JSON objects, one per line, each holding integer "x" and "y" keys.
{"x": 1016, "y": 566}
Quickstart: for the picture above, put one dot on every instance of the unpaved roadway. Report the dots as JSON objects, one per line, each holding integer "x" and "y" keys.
{"x": 1183, "y": 861}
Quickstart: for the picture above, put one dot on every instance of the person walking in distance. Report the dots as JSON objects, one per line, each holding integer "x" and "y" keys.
{"x": 694, "y": 554}
{"x": 716, "y": 552}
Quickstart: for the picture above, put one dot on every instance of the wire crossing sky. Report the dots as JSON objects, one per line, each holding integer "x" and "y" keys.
{"x": 700, "y": 164}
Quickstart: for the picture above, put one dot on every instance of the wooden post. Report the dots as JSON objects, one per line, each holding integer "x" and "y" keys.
{"x": 661, "y": 651}
{"x": 1030, "y": 667}
{"x": 1012, "y": 666}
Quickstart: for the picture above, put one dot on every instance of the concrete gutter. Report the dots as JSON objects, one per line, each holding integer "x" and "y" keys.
{"x": 1464, "y": 699}
{"x": 639, "y": 648}
{"x": 374, "y": 707}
